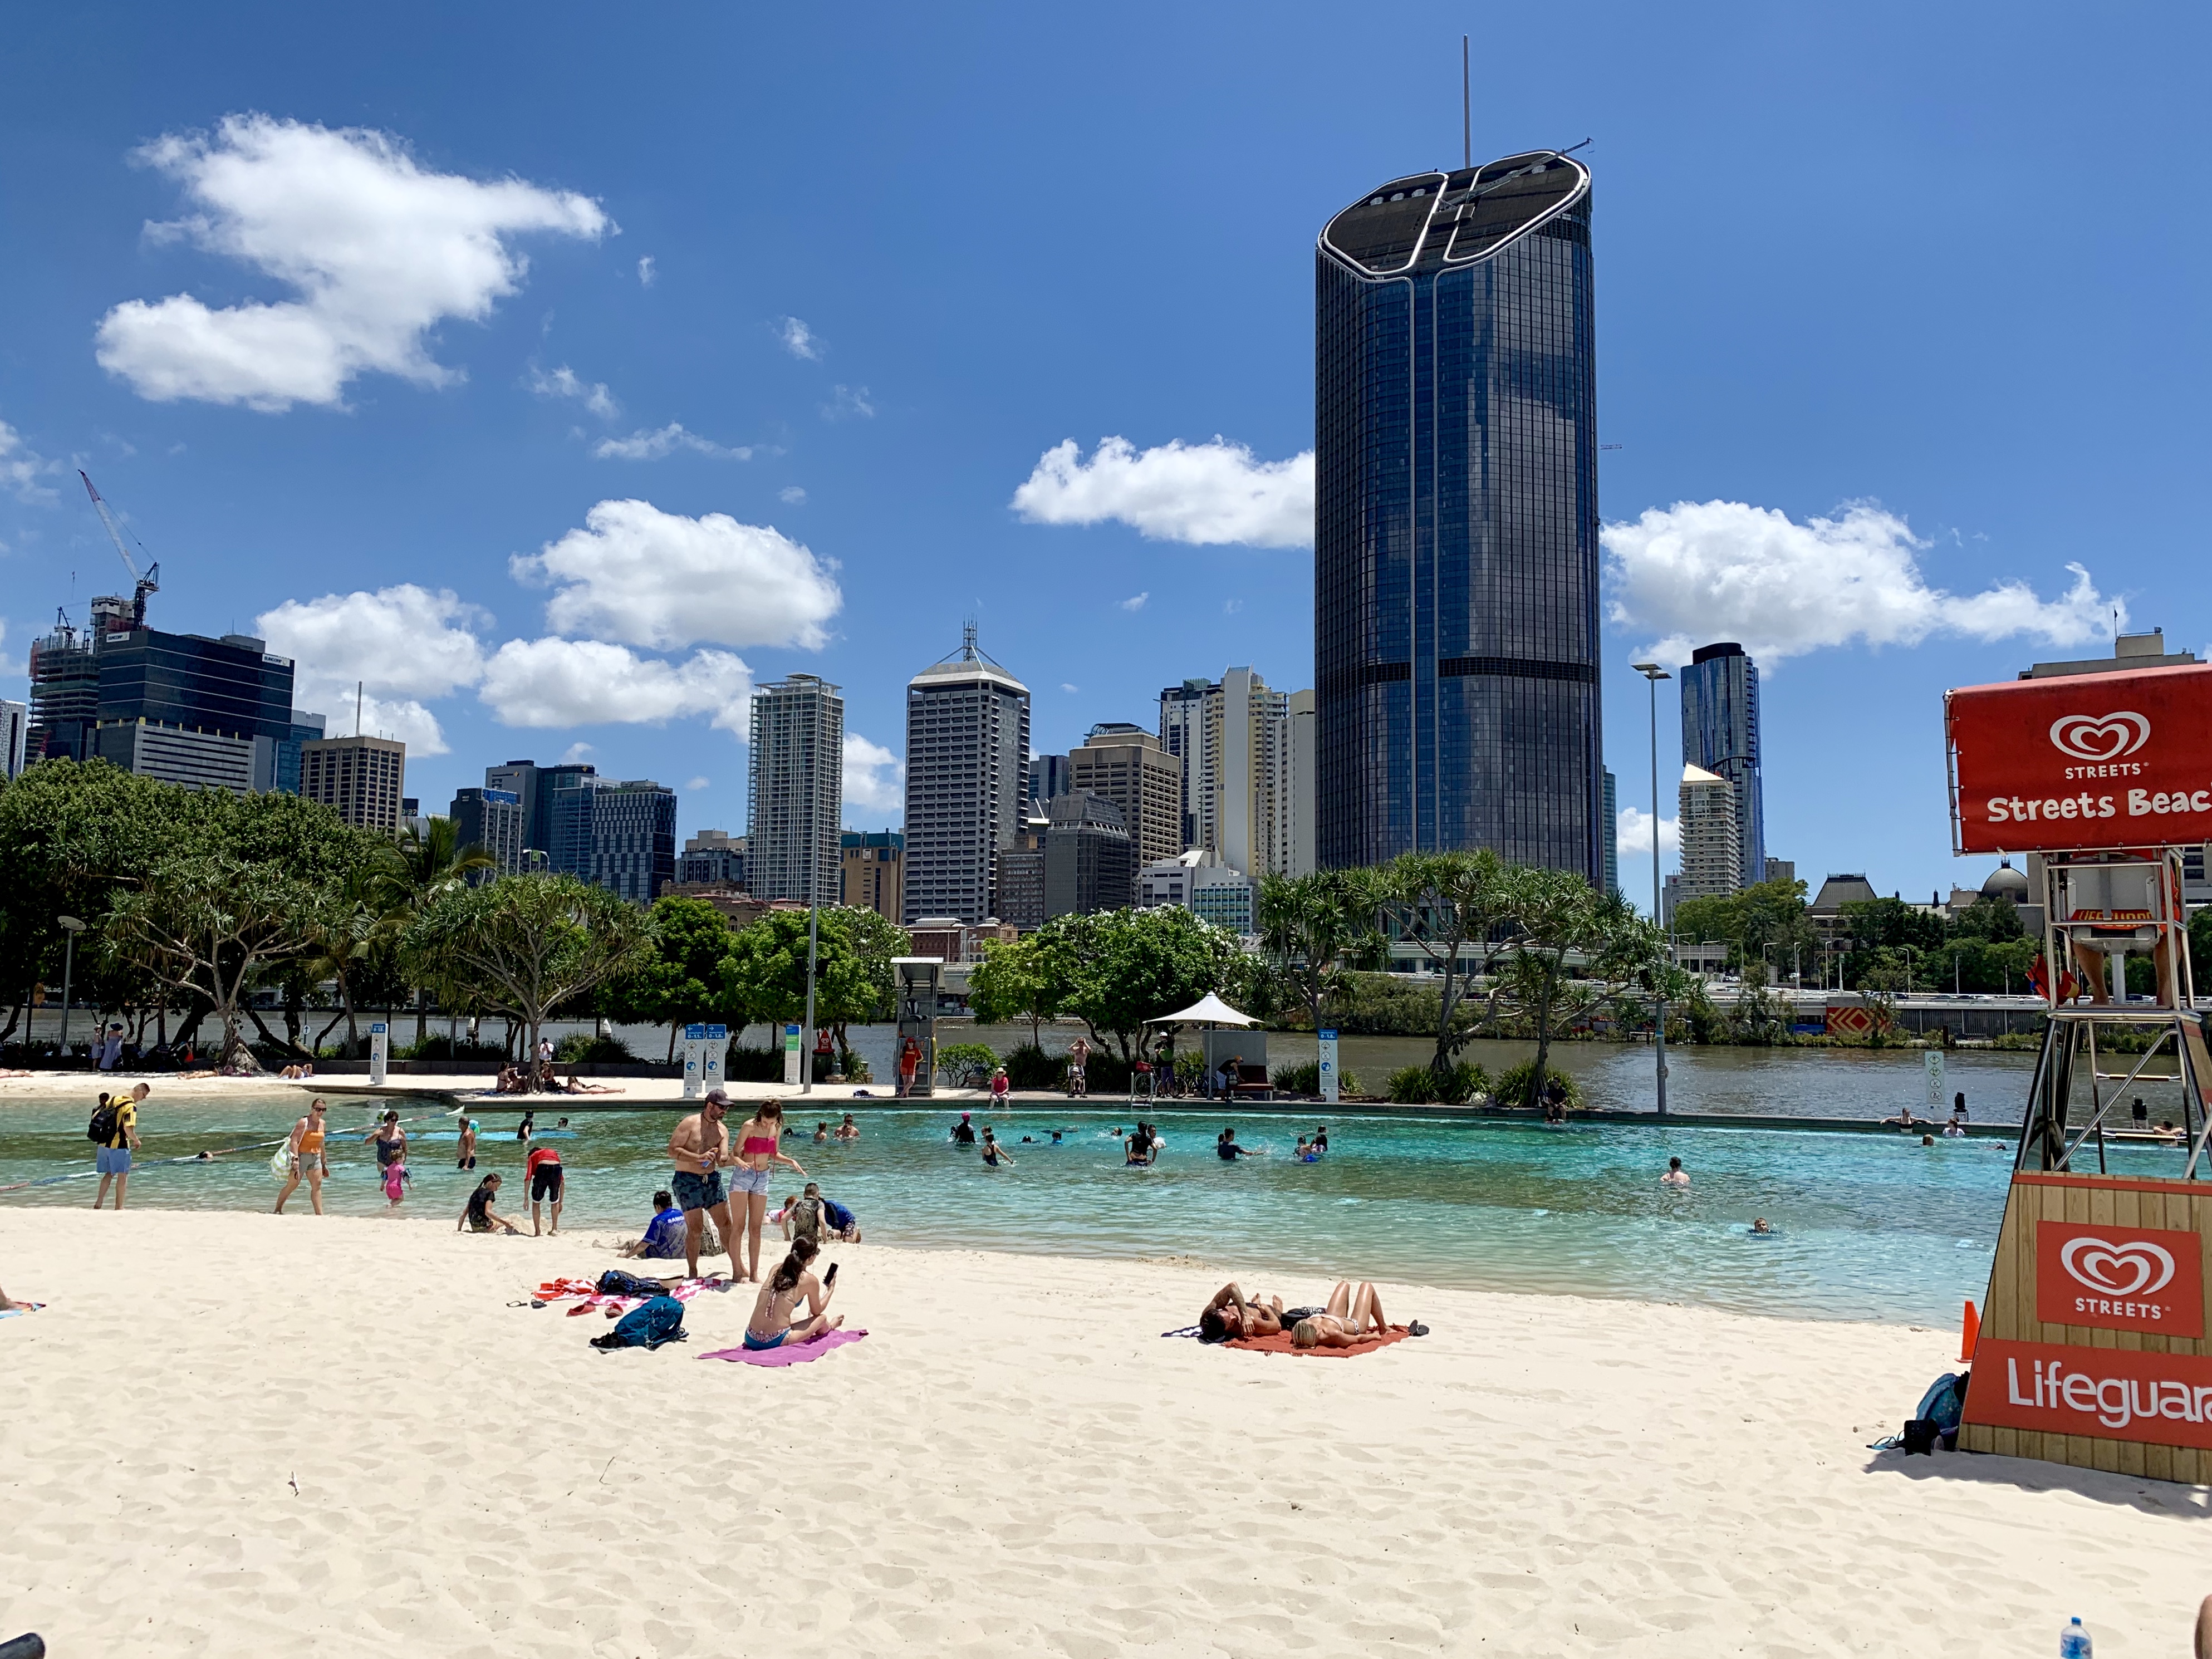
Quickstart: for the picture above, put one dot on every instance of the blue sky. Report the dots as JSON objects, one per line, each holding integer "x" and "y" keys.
{"x": 1914, "y": 294}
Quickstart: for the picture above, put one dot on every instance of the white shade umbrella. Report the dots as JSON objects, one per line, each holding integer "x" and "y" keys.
{"x": 1208, "y": 1010}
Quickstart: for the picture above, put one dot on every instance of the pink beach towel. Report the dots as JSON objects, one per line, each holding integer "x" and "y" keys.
{"x": 791, "y": 1353}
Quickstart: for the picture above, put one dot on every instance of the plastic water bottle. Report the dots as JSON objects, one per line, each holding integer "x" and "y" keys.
{"x": 2074, "y": 1641}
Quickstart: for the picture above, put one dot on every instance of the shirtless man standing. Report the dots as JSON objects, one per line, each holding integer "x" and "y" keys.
{"x": 701, "y": 1146}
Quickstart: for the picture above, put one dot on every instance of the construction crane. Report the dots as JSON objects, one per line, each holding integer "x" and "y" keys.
{"x": 148, "y": 583}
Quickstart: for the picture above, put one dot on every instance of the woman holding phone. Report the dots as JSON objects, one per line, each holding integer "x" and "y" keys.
{"x": 775, "y": 1318}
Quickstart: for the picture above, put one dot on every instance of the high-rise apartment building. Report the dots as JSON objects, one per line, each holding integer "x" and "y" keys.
{"x": 1297, "y": 788}
{"x": 1456, "y": 554}
{"x": 1711, "y": 848}
{"x": 874, "y": 864}
{"x": 967, "y": 781}
{"x": 1130, "y": 767}
{"x": 715, "y": 857}
{"x": 1087, "y": 867}
{"x": 362, "y": 779}
{"x": 1720, "y": 732}
{"x": 633, "y": 838}
{"x": 492, "y": 819}
{"x": 1244, "y": 795}
{"x": 1049, "y": 776}
{"x": 15, "y": 732}
{"x": 798, "y": 794}
{"x": 1019, "y": 896}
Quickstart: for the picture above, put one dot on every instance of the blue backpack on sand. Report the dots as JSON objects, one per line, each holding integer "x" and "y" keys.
{"x": 658, "y": 1321}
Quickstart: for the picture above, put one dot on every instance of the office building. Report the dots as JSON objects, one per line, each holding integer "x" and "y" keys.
{"x": 556, "y": 812}
{"x": 1049, "y": 776}
{"x": 952, "y": 940}
{"x": 1720, "y": 733}
{"x": 362, "y": 779}
{"x": 1018, "y": 894}
{"x": 492, "y": 819}
{"x": 1611, "y": 808}
{"x": 1711, "y": 850}
{"x": 874, "y": 871}
{"x": 1087, "y": 864}
{"x": 182, "y": 707}
{"x": 1130, "y": 767}
{"x": 1781, "y": 870}
{"x": 2130, "y": 651}
{"x": 633, "y": 838}
{"x": 1456, "y": 554}
{"x": 967, "y": 781}
{"x": 797, "y": 793}
{"x": 14, "y": 733}
{"x": 1297, "y": 787}
{"x": 714, "y": 858}
{"x": 1236, "y": 742}
{"x": 1201, "y": 883}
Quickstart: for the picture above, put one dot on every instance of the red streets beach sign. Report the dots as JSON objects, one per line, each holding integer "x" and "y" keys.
{"x": 2119, "y": 1278}
{"x": 2082, "y": 761}
{"x": 2113, "y": 1394}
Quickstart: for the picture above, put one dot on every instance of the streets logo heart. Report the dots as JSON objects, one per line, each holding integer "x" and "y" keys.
{"x": 2134, "y": 1268}
{"x": 2101, "y": 737}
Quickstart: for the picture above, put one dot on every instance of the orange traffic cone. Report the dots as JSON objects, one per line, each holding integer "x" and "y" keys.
{"x": 1970, "y": 1333}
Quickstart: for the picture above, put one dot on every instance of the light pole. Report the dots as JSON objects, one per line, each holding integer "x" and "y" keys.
{"x": 70, "y": 928}
{"x": 813, "y": 917}
{"x": 1653, "y": 673}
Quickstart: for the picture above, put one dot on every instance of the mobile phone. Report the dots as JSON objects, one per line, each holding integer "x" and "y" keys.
{"x": 830, "y": 1277}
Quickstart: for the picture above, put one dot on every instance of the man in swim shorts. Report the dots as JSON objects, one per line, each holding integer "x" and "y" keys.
{"x": 701, "y": 1146}
{"x": 1230, "y": 1315}
{"x": 547, "y": 1178}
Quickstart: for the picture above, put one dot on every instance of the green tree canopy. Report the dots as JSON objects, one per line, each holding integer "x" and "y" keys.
{"x": 678, "y": 978}
{"x": 1119, "y": 969}
{"x": 1016, "y": 981}
{"x": 765, "y": 973}
{"x": 1316, "y": 928}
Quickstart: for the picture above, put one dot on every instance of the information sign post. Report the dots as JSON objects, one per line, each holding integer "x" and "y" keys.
{"x": 379, "y": 1051}
{"x": 1328, "y": 1067}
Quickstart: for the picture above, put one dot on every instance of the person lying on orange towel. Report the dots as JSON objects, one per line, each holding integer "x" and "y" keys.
{"x": 1354, "y": 1316}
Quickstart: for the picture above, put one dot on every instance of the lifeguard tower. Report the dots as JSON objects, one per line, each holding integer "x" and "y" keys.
{"x": 2093, "y": 1349}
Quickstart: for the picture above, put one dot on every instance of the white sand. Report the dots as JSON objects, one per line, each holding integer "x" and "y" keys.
{"x": 1011, "y": 1464}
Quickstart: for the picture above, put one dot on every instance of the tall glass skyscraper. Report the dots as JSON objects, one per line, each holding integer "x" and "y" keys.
{"x": 1720, "y": 732}
{"x": 1455, "y": 553}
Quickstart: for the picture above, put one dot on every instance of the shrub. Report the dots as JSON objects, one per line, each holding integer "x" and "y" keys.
{"x": 1462, "y": 1083}
{"x": 578, "y": 1048}
{"x": 1030, "y": 1068}
{"x": 1512, "y": 1089}
{"x": 1413, "y": 1085}
{"x": 960, "y": 1062}
{"x": 443, "y": 1048}
{"x": 1306, "y": 1081}
{"x": 742, "y": 1065}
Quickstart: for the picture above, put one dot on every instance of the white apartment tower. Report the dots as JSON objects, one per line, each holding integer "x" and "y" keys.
{"x": 798, "y": 800}
{"x": 967, "y": 781}
{"x": 1711, "y": 845}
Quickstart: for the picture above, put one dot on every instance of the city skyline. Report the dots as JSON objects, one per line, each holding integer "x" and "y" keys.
{"x": 497, "y": 504}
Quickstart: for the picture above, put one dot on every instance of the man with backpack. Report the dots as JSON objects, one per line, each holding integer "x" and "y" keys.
{"x": 114, "y": 1131}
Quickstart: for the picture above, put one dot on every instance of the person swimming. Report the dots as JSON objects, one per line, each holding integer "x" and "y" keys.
{"x": 993, "y": 1154}
{"x": 1676, "y": 1176}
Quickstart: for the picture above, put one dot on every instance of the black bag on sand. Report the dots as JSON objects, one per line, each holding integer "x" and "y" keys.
{"x": 1920, "y": 1436}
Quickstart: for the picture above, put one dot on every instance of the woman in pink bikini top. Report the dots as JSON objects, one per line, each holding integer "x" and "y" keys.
{"x": 760, "y": 1145}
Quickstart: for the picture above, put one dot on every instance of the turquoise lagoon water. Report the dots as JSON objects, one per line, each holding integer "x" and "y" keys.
{"x": 1870, "y": 1226}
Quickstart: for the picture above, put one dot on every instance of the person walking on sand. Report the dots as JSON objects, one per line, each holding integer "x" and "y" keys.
{"x": 701, "y": 1146}
{"x": 547, "y": 1177}
{"x": 308, "y": 1164}
{"x": 1676, "y": 1176}
{"x": 1078, "y": 1068}
{"x": 775, "y": 1318}
{"x": 760, "y": 1147}
{"x": 120, "y": 1140}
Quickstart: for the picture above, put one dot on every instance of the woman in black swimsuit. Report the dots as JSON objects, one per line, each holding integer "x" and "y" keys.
{"x": 479, "y": 1217}
{"x": 993, "y": 1154}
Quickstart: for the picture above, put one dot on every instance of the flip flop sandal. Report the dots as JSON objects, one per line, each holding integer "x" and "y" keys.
{"x": 1416, "y": 1329}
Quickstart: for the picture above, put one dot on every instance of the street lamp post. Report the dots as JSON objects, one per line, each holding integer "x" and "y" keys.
{"x": 1653, "y": 673}
{"x": 70, "y": 928}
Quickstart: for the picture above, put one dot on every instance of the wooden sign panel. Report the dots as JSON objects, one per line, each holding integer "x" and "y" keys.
{"x": 2093, "y": 1350}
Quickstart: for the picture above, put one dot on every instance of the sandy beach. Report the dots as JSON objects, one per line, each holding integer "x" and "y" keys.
{"x": 241, "y": 1434}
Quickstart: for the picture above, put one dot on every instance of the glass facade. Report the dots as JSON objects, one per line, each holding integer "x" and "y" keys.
{"x": 1720, "y": 733}
{"x": 1455, "y": 558}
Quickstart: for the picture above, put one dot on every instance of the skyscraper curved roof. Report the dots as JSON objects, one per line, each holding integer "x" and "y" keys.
{"x": 1433, "y": 220}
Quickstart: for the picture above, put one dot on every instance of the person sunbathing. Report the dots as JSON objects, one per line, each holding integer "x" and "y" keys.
{"x": 1230, "y": 1315}
{"x": 1354, "y": 1316}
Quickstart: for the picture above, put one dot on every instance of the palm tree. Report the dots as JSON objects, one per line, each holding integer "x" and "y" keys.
{"x": 414, "y": 871}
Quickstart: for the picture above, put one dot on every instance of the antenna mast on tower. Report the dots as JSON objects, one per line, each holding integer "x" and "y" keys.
{"x": 1466, "y": 110}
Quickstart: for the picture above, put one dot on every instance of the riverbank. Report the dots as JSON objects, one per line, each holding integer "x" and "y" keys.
{"x": 247, "y": 1448}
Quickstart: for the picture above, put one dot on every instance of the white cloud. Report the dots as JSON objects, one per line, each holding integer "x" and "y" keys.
{"x": 378, "y": 251}
{"x": 799, "y": 340}
{"x": 1206, "y": 494}
{"x": 575, "y": 753}
{"x": 848, "y": 400}
{"x": 1135, "y": 601}
{"x": 1065, "y": 686}
{"x": 657, "y": 578}
{"x": 697, "y": 783}
{"x": 564, "y": 382}
{"x": 401, "y": 644}
{"x": 557, "y": 682}
{"x": 645, "y": 271}
{"x": 1696, "y": 571}
{"x": 873, "y": 775}
{"x": 792, "y": 495}
{"x": 1633, "y": 833}
{"x": 22, "y": 467}
{"x": 664, "y": 441}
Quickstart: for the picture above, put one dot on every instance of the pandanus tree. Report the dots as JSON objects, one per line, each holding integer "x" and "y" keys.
{"x": 1316, "y": 928}
{"x": 413, "y": 871}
